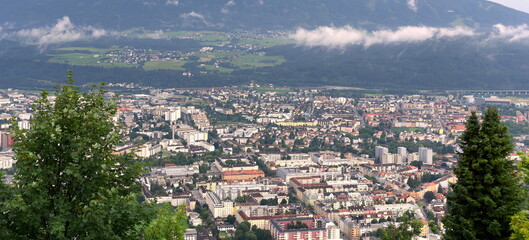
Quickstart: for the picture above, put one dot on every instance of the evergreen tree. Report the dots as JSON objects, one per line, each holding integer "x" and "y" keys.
{"x": 69, "y": 185}
{"x": 487, "y": 192}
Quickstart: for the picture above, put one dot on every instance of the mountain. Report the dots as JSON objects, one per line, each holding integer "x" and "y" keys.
{"x": 433, "y": 52}
{"x": 256, "y": 14}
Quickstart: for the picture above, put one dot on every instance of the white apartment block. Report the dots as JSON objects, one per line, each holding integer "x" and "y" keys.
{"x": 219, "y": 208}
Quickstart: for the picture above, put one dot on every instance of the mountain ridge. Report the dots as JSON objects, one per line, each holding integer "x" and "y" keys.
{"x": 258, "y": 14}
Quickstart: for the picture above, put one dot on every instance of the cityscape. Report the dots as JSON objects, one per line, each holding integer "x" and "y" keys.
{"x": 264, "y": 120}
{"x": 339, "y": 167}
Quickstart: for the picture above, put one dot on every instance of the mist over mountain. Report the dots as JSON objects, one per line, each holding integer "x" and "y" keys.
{"x": 399, "y": 44}
{"x": 257, "y": 14}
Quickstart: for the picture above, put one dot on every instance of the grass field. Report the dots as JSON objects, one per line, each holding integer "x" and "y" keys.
{"x": 83, "y": 59}
{"x": 280, "y": 91}
{"x": 266, "y": 42}
{"x": 255, "y": 61}
{"x": 165, "y": 65}
{"x": 86, "y": 49}
{"x": 84, "y": 56}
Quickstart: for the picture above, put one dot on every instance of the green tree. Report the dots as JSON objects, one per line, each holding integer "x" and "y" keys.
{"x": 487, "y": 192}
{"x": 429, "y": 196}
{"x": 69, "y": 185}
{"x": 204, "y": 168}
{"x": 520, "y": 221}
{"x": 520, "y": 226}
{"x": 405, "y": 231}
{"x": 168, "y": 224}
{"x": 417, "y": 164}
{"x": 231, "y": 219}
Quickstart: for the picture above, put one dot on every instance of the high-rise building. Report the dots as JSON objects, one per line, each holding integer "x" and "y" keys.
{"x": 403, "y": 153}
{"x": 426, "y": 155}
{"x": 390, "y": 158}
{"x": 379, "y": 151}
{"x": 173, "y": 115}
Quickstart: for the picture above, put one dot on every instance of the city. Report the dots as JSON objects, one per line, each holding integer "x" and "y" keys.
{"x": 305, "y": 163}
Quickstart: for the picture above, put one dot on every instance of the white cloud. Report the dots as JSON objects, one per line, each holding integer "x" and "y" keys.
{"x": 261, "y": 2}
{"x": 230, "y": 3}
{"x": 412, "y": 4}
{"x": 172, "y": 2}
{"x": 192, "y": 16}
{"x": 341, "y": 37}
{"x": 63, "y": 31}
{"x": 510, "y": 33}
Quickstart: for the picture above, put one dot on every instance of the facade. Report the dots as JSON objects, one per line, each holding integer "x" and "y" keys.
{"x": 403, "y": 153}
{"x": 180, "y": 171}
{"x": 316, "y": 229}
{"x": 426, "y": 155}
{"x": 379, "y": 151}
{"x": 242, "y": 175}
{"x": 191, "y": 234}
{"x": 173, "y": 115}
{"x": 220, "y": 209}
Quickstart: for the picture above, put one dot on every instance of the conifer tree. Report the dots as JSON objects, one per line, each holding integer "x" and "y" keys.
{"x": 488, "y": 192}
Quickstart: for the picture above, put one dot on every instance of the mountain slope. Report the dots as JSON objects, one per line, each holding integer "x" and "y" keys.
{"x": 257, "y": 14}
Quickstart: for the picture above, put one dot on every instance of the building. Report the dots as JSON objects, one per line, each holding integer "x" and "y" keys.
{"x": 180, "y": 171}
{"x": 242, "y": 175}
{"x": 173, "y": 115}
{"x": 6, "y": 159}
{"x": 390, "y": 158}
{"x": 426, "y": 155}
{"x": 379, "y": 151}
{"x": 304, "y": 229}
{"x": 220, "y": 209}
{"x": 403, "y": 153}
{"x": 235, "y": 164}
{"x": 190, "y": 234}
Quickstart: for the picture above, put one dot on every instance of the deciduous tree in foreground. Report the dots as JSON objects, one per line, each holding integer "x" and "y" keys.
{"x": 69, "y": 185}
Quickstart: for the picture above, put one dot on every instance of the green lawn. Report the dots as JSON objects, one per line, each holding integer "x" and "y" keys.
{"x": 167, "y": 65}
{"x": 398, "y": 130}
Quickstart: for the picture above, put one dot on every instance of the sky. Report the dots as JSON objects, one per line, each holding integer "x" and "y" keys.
{"x": 522, "y": 5}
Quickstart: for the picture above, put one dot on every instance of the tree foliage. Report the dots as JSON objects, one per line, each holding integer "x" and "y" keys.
{"x": 405, "y": 231}
{"x": 520, "y": 221}
{"x": 168, "y": 224}
{"x": 245, "y": 232}
{"x": 488, "y": 192}
{"x": 68, "y": 184}
{"x": 429, "y": 196}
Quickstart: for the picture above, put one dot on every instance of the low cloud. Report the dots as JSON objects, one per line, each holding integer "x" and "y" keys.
{"x": 510, "y": 33}
{"x": 412, "y": 4}
{"x": 172, "y": 2}
{"x": 63, "y": 31}
{"x": 341, "y": 37}
{"x": 194, "y": 16}
{"x": 230, "y": 3}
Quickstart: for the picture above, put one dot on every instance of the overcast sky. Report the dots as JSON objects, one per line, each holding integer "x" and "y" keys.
{"x": 522, "y": 5}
